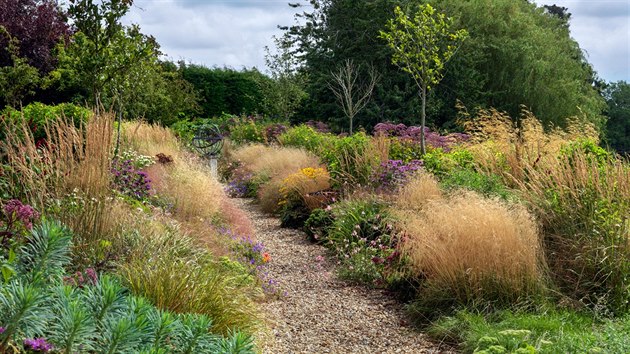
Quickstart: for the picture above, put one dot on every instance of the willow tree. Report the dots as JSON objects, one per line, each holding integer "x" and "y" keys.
{"x": 422, "y": 45}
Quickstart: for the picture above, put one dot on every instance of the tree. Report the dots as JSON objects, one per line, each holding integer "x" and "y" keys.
{"x": 38, "y": 25}
{"x": 18, "y": 79}
{"x": 618, "y": 126}
{"x": 422, "y": 45}
{"x": 98, "y": 52}
{"x": 517, "y": 54}
{"x": 352, "y": 95}
{"x": 286, "y": 92}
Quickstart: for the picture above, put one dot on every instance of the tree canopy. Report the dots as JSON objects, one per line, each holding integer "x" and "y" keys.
{"x": 517, "y": 54}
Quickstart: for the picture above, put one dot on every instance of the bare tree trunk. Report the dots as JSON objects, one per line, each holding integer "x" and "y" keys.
{"x": 423, "y": 116}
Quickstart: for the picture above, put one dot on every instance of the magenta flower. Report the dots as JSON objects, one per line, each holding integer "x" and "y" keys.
{"x": 37, "y": 345}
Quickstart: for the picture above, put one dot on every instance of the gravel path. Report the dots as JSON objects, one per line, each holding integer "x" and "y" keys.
{"x": 320, "y": 313}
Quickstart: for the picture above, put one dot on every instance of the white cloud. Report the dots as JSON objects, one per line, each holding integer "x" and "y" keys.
{"x": 602, "y": 29}
{"x": 213, "y": 33}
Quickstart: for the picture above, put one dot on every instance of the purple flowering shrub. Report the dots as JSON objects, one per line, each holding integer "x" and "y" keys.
{"x": 393, "y": 174}
{"x": 412, "y": 133}
{"x": 37, "y": 345}
{"x": 17, "y": 219}
{"x": 318, "y": 126}
{"x": 129, "y": 180}
{"x": 273, "y": 131}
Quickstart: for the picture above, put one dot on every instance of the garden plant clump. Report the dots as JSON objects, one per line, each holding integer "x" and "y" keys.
{"x": 455, "y": 229}
{"x": 129, "y": 228}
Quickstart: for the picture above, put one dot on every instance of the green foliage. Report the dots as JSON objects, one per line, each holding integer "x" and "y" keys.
{"x": 248, "y": 131}
{"x": 442, "y": 163}
{"x": 318, "y": 224}
{"x": 487, "y": 184}
{"x": 98, "y": 315}
{"x": 422, "y": 45}
{"x": 618, "y": 126}
{"x": 18, "y": 80}
{"x": 361, "y": 238}
{"x": 303, "y": 136}
{"x": 183, "y": 280}
{"x": 37, "y": 115}
{"x": 518, "y": 54}
{"x": 227, "y": 90}
{"x": 541, "y": 331}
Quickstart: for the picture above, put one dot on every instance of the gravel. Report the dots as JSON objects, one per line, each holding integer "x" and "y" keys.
{"x": 319, "y": 313}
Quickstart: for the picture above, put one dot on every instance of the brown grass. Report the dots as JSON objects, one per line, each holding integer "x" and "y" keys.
{"x": 421, "y": 189}
{"x": 274, "y": 162}
{"x": 471, "y": 248}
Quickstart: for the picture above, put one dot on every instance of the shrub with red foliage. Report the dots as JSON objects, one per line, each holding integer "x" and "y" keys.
{"x": 39, "y": 25}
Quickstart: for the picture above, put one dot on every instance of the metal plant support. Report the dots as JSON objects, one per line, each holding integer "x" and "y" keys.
{"x": 208, "y": 140}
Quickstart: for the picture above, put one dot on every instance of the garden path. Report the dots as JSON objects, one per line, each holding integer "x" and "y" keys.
{"x": 319, "y": 313}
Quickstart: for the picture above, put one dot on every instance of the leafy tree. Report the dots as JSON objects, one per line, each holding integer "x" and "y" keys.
{"x": 328, "y": 33}
{"x": 521, "y": 55}
{"x": 102, "y": 52}
{"x": 18, "y": 79}
{"x": 618, "y": 126}
{"x": 516, "y": 54}
{"x": 422, "y": 45}
{"x": 38, "y": 25}
{"x": 284, "y": 95}
{"x": 352, "y": 94}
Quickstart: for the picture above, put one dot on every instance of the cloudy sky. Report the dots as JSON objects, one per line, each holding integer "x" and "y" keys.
{"x": 234, "y": 32}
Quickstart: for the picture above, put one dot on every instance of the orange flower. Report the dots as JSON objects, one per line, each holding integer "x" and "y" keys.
{"x": 266, "y": 257}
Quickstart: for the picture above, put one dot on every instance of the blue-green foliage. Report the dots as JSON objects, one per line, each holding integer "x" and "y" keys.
{"x": 98, "y": 315}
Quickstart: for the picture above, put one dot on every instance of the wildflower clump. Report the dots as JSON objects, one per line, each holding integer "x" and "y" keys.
{"x": 129, "y": 180}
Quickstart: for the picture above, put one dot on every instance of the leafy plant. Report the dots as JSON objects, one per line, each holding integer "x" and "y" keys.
{"x": 39, "y": 313}
{"x": 361, "y": 238}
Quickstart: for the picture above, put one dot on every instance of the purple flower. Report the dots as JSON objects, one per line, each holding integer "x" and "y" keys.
{"x": 2, "y": 329}
{"x": 37, "y": 345}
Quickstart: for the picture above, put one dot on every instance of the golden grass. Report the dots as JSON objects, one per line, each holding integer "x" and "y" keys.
{"x": 584, "y": 205}
{"x": 422, "y": 188}
{"x": 71, "y": 159}
{"x": 473, "y": 248}
{"x": 274, "y": 162}
{"x": 507, "y": 147}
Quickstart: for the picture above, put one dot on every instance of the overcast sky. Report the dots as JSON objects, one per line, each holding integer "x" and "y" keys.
{"x": 234, "y": 33}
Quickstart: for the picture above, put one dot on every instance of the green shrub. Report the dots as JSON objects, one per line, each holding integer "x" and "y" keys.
{"x": 361, "y": 237}
{"x": 305, "y": 137}
{"x": 441, "y": 163}
{"x": 318, "y": 224}
{"x": 487, "y": 184}
{"x": 38, "y": 114}
{"x": 248, "y": 131}
{"x": 544, "y": 330}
